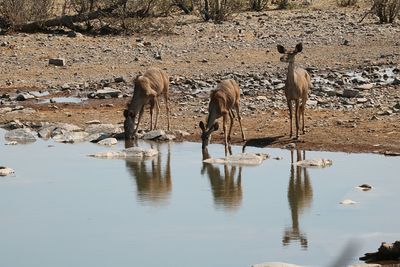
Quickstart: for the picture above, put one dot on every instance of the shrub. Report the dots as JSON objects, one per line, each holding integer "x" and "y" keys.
{"x": 22, "y": 11}
{"x": 345, "y": 3}
{"x": 386, "y": 10}
{"x": 258, "y": 5}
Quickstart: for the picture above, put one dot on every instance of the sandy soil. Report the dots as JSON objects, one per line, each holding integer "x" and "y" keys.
{"x": 94, "y": 58}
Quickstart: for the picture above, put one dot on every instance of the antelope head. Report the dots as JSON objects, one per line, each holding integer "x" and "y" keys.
{"x": 288, "y": 56}
{"x": 206, "y": 133}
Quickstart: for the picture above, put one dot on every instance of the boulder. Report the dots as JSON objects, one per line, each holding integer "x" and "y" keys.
{"x": 4, "y": 171}
{"x": 251, "y": 159}
{"x": 318, "y": 163}
{"x": 22, "y": 135}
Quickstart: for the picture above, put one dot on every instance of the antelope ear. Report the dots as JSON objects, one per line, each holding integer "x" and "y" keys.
{"x": 281, "y": 49}
{"x": 215, "y": 126}
{"x": 201, "y": 125}
{"x": 299, "y": 48}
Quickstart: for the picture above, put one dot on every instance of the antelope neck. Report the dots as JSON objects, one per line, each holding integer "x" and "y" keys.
{"x": 290, "y": 74}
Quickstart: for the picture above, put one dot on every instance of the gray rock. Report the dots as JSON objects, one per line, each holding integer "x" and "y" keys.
{"x": 24, "y": 96}
{"x": 71, "y": 137}
{"x": 106, "y": 92}
{"x": 153, "y": 135}
{"x": 68, "y": 127}
{"x": 108, "y": 142}
{"x": 366, "y": 86}
{"x": 97, "y": 137}
{"x": 22, "y": 135}
{"x": 57, "y": 61}
{"x": 103, "y": 128}
{"x": 4, "y": 171}
{"x": 349, "y": 93}
{"x": 46, "y": 132}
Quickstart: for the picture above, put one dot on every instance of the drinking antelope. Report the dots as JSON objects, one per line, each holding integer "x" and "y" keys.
{"x": 223, "y": 100}
{"x": 148, "y": 88}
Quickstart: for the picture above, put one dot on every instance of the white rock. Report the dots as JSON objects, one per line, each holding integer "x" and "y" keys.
{"x": 5, "y": 110}
{"x": 240, "y": 159}
{"x": 108, "y": 142}
{"x": 12, "y": 143}
{"x": 132, "y": 152}
{"x": 347, "y": 202}
{"x": 318, "y": 163}
{"x": 4, "y": 171}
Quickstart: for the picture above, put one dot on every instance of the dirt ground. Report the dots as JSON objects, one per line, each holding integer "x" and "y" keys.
{"x": 354, "y": 130}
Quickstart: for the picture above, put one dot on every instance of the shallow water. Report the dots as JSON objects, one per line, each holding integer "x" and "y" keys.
{"x": 62, "y": 100}
{"x": 62, "y": 208}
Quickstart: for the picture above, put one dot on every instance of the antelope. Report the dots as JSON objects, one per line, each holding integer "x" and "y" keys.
{"x": 297, "y": 85}
{"x": 223, "y": 100}
{"x": 148, "y": 88}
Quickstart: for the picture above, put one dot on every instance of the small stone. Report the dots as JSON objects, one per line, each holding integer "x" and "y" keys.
{"x": 348, "y": 202}
{"x": 364, "y": 187}
{"x": 4, "y": 171}
{"x": 349, "y": 93}
{"x": 57, "y": 61}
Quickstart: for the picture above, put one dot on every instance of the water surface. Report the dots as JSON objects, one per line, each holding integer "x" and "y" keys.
{"x": 62, "y": 208}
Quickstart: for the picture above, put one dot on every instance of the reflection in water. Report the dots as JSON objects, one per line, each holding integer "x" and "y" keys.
{"x": 152, "y": 181}
{"x": 300, "y": 196}
{"x": 227, "y": 190}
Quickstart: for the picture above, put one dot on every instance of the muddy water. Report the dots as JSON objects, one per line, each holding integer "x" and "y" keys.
{"x": 62, "y": 208}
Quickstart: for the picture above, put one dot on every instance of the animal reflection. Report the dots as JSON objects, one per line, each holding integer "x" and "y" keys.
{"x": 300, "y": 196}
{"x": 153, "y": 182}
{"x": 227, "y": 190}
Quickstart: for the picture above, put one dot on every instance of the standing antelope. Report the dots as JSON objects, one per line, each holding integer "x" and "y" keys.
{"x": 148, "y": 87}
{"x": 297, "y": 84}
{"x": 223, "y": 100}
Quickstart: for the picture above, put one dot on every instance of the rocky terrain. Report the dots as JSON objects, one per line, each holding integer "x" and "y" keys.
{"x": 354, "y": 105}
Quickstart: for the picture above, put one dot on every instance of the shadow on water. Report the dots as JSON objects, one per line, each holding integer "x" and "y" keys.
{"x": 153, "y": 180}
{"x": 269, "y": 140}
{"x": 226, "y": 187}
{"x": 300, "y": 195}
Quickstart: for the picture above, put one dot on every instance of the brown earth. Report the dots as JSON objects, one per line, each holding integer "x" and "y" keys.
{"x": 355, "y": 130}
